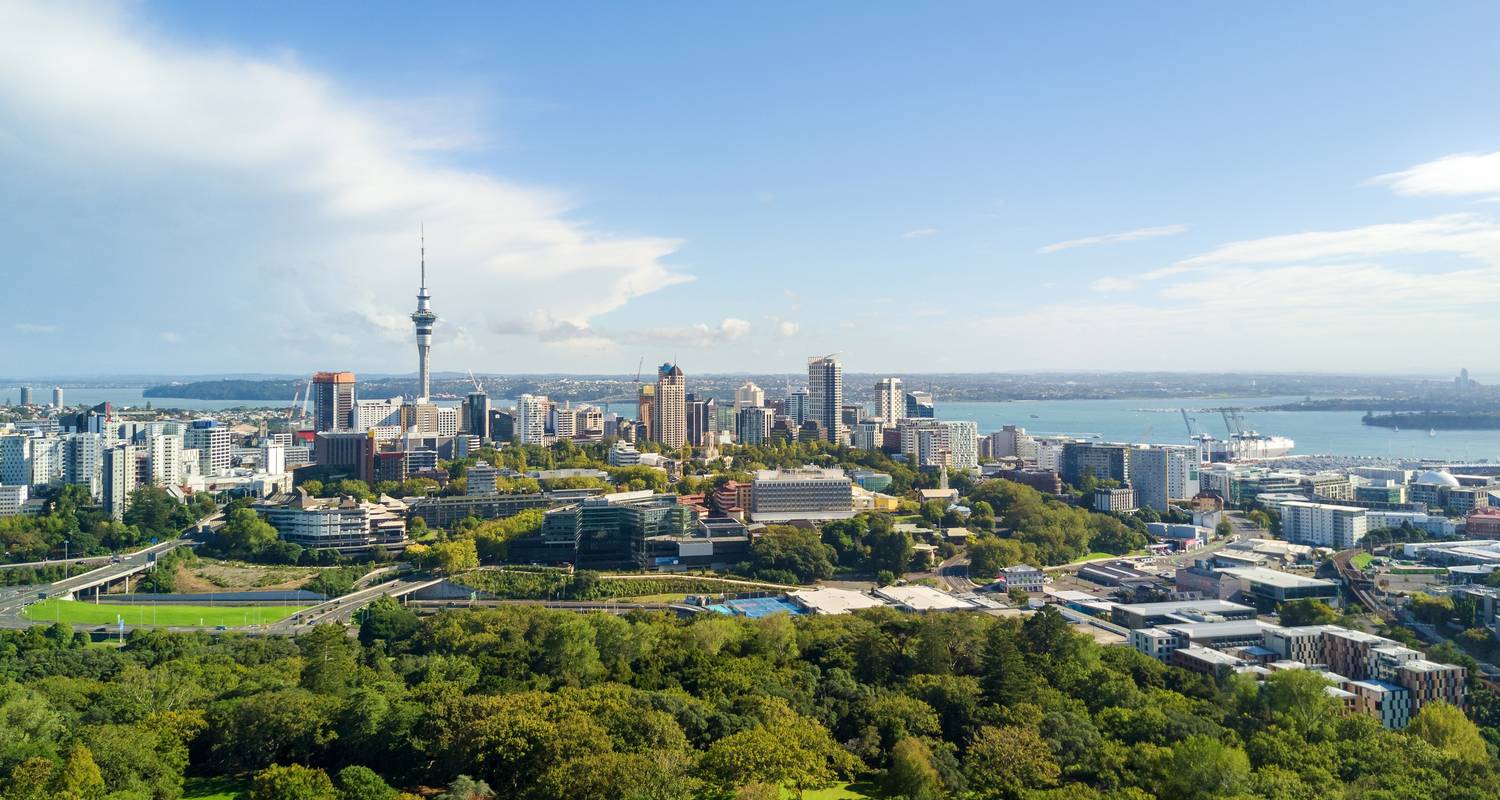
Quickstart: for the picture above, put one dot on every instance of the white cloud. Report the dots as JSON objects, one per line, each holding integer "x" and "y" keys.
{"x": 548, "y": 329}
{"x": 1111, "y": 285}
{"x": 1459, "y": 174}
{"x": 1116, "y": 238}
{"x": 919, "y": 233}
{"x": 171, "y": 337}
{"x": 36, "y": 328}
{"x": 784, "y": 328}
{"x": 100, "y": 98}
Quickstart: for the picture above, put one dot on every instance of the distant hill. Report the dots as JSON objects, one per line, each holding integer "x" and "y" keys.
{"x": 225, "y": 390}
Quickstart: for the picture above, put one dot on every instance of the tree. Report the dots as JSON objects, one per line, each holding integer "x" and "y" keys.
{"x": 989, "y": 554}
{"x": 1431, "y": 610}
{"x": 465, "y": 788}
{"x": 1224, "y": 529}
{"x": 912, "y": 774}
{"x": 362, "y": 783}
{"x": 1005, "y": 762}
{"x": 78, "y": 778}
{"x": 294, "y": 782}
{"x": 386, "y": 619}
{"x": 1203, "y": 768}
{"x": 791, "y": 555}
{"x": 1307, "y": 611}
{"x": 791, "y": 751}
{"x": 1445, "y": 727}
{"x": 455, "y": 556}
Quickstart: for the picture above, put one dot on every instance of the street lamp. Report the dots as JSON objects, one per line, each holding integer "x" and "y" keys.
{"x": 67, "y": 573}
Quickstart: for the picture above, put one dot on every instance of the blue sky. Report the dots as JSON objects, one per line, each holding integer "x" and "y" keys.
{"x": 203, "y": 188}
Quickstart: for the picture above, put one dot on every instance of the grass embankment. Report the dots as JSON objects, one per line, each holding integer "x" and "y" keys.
{"x": 77, "y": 612}
{"x": 843, "y": 791}
{"x": 1361, "y": 561}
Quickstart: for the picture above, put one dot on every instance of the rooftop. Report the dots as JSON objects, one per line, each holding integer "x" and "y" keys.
{"x": 1179, "y": 606}
{"x": 922, "y": 598}
{"x": 833, "y": 601}
{"x": 1277, "y": 578}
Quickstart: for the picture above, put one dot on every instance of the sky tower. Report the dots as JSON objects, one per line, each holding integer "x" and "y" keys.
{"x": 423, "y": 318}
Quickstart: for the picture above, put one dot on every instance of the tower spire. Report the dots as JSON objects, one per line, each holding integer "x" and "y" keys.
{"x": 423, "y": 318}
{"x": 422, "y": 245}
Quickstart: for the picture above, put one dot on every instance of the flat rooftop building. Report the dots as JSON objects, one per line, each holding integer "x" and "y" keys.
{"x": 832, "y": 601}
{"x": 1144, "y": 615}
{"x": 922, "y": 598}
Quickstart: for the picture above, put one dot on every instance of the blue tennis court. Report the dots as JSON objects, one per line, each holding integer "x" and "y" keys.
{"x": 757, "y": 607}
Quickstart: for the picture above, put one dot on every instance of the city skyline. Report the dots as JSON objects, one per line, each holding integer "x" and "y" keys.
{"x": 274, "y": 233}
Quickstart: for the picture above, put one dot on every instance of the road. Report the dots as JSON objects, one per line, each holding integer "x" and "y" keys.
{"x": 14, "y": 599}
{"x": 953, "y": 574}
{"x": 341, "y": 610}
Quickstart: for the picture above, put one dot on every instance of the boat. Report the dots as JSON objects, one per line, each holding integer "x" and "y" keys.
{"x": 1033, "y": 416}
{"x": 1431, "y": 432}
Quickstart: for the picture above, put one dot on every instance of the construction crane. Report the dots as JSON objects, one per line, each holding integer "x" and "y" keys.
{"x": 638, "y": 366}
{"x": 307, "y": 395}
{"x": 478, "y": 387}
{"x": 1234, "y": 421}
{"x": 1188, "y": 421}
{"x": 291, "y": 410}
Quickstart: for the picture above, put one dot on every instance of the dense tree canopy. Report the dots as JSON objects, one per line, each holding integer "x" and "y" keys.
{"x": 544, "y": 705}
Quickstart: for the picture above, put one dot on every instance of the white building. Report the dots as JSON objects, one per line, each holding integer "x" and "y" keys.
{"x": 1323, "y": 524}
{"x": 825, "y": 396}
{"x": 15, "y": 460}
{"x": 119, "y": 474}
{"x": 749, "y": 396}
{"x": 890, "y": 400}
{"x": 1012, "y": 442}
{"x": 447, "y": 421}
{"x": 211, "y": 439}
{"x": 622, "y": 454}
{"x": 377, "y": 414}
{"x": 164, "y": 459}
{"x": 809, "y": 493}
{"x": 12, "y": 499}
{"x": 531, "y": 419}
{"x": 83, "y": 462}
{"x": 272, "y": 457}
{"x": 1434, "y": 524}
{"x": 935, "y": 443}
{"x": 481, "y": 479}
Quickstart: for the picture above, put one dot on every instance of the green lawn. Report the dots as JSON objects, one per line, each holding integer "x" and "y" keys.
{"x": 213, "y": 789}
{"x": 82, "y": 613}
{"x": 843, "y": 791}
{"x": 1361, "y": 561}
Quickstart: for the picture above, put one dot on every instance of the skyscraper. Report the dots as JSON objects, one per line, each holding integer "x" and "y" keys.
{"x": 825, "y": 395}
{"x": 531, "y": 418}
{"x": 890, "y": 400}
{"x": 57, "y": 397}
{"x": 919, "y": 405}
{"x": 423, "y": 318}
{"x": 25, "y": 395}
{"x": 333, "y": 401}
{"x": 669, "y": 413}
{"x": 477, "y": 414}
{"x": 749, "y": 396}
{"x": 797, "y": 405}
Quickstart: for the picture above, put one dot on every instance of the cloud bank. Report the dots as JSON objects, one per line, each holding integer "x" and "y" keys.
{"x": 326, "y": 191}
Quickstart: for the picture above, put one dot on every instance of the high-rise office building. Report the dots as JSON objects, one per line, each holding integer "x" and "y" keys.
{"x": 753, "y": 425}
{"x": 797, "y": 405}
{"x": 669, "y": 414}
{"x": 477, "y": 414}
{"x": 57, "y": 397}
{"x": 749, "y": 396}
{"x": 15, "y": 460}
{"x": 211, "y": 439}
{"x": 1163, "y": 473}
{"x": 531, "y": 418}
{"x": 919, "y": 405}
{"x": 25, "y": 395}
{"x": 333, "y": 401}
{"x": 118, "y": 471}
{"x": 890, "y": 400}
{"x": 423, "y": 318}
{"x": 272, "y": 457}
{"x": 164, "y": 459}
{"x": 702, "y": 420}
{"x": 645, "y": 406}
{"x": 825, "y": 396}
{"x": 82, "y": 459}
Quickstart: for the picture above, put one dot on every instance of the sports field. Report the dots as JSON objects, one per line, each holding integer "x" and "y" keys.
{"x": 75, "y": 611}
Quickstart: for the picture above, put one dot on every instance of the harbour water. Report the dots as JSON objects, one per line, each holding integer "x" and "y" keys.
{"x": 1154, "y": 420}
